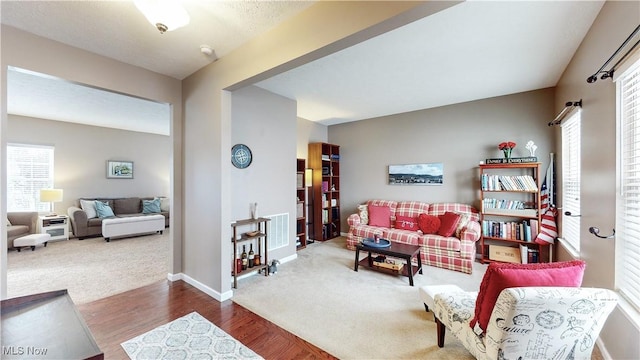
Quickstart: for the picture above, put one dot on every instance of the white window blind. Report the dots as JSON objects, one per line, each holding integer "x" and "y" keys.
{"x": 29, "y": 169}
{"x": 628, "y": 197}
{"x": 571, "y": 181}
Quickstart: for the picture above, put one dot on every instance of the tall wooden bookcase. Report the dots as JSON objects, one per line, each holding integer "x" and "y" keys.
{"x": 301, "y": 207}
{"x": 511, "y": 214}
{"x": 324, "y": 160}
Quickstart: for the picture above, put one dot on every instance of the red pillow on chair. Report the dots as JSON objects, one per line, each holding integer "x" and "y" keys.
{"x": 380, "y": 216}
{"x": 500, "y": 276}
{"x": 448, "y": 223}
{"x": 429, "y": 224}
{"x": 406, "y": 223}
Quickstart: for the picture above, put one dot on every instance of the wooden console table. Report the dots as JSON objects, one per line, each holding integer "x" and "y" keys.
{"x": 45, "y": 326}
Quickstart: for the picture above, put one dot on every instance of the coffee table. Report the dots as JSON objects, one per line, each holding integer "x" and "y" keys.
{"x": 402, "y": 251}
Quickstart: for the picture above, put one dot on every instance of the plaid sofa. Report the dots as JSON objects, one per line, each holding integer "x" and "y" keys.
{"x": 445, "y": 252}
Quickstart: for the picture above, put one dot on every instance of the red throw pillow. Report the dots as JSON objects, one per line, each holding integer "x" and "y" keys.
{"x": 448, "y": 223}
{"x": 500, "y": 276}
{"x": 429, "y": 224}
{"x": 407, "y": 223}
{"x": 380, "y": 216}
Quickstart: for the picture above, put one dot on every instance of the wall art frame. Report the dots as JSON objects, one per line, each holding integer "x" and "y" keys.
{"x": 119, "y": 169}
{"x": 416, "y": 174}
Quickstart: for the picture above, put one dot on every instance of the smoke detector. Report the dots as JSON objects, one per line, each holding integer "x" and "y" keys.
{"x": 206, "y": 49}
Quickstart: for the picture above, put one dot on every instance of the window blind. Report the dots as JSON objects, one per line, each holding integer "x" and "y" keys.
{"x": 570, "y": 231}
{"x": 29, "y": 169}
{"x": 628, "y": 197}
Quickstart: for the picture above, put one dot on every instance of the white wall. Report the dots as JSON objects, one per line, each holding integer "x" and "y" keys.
{"x": 81, "y": 152}
{"x": 459, "y": 136}
{"x": 614, "y": 23}
{"x": 266, "y": 123}
{"x": 309, "y": 132}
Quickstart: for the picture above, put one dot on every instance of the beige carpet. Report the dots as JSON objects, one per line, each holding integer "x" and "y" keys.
{"x": 353, "y": 315}
{"x": 90, "y": 269}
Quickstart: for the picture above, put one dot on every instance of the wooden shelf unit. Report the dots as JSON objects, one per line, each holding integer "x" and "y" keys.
{"x": 507, "y": 226}
{"x": 301, "y": 205}
{"x": 260, "y": 239}
{"x": 324, "y": 159}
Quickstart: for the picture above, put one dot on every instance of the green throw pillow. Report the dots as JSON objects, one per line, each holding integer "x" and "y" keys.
{"x": 151, "y": 206}
{"x": 103, "y": 209}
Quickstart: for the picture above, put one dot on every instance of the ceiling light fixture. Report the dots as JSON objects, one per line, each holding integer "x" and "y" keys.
{"x": 165, "y": 15}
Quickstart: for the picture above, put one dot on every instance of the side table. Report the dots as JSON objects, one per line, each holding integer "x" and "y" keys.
{"x": 55, "y": 225}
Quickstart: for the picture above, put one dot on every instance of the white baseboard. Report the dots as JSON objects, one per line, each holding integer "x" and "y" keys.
{"x": 603, "y": 349}
{"x": 202, "y": 287}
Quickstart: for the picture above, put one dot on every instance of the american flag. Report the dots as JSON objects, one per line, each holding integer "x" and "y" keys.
{"x": 548, "y": 228}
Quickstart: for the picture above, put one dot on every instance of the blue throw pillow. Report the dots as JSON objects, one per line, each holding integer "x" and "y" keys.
{"x": 151, "y": 206}
{"x": 103, "y": 209}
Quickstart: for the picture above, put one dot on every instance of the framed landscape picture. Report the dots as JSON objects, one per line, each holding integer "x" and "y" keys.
{"x": 416, "y": 174}
{"x": 117, "y": 169}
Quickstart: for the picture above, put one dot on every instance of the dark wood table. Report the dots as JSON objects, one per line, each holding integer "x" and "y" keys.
{"x": 45, "y": 326}
{"x": 402, "y": 251}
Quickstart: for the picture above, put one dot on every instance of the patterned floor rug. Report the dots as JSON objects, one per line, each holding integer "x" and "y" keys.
{"x": 189, "y": 337}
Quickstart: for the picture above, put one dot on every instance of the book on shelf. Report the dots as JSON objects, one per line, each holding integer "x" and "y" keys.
{"x": 325, "y": 186}
{"x": 508, "y": 230}
{"x": 511, "y": 212}
{"x": 299, "y": 210}
{"x": 513, "y": 160}
{"x": 492, "y": 182}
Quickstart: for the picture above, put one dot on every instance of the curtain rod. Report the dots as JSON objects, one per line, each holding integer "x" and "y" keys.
{"x": 568, "y": 106}
{"x": 608, "y": 74}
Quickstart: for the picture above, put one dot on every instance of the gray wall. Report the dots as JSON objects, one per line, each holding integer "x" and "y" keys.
{"x": 81, "y": 152}
{"x": 459, "y": 136}
{"x": 616, "y": 21}
{"x": 266, "y": 123}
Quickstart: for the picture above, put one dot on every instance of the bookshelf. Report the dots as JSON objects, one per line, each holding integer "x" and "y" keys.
{"x": 301, "y": 207}
{"x": 324, "y": 160}
{"x": 510, "y": 213}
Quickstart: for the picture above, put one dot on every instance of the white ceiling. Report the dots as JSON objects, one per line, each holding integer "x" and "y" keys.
{"x": 473, "y": 50}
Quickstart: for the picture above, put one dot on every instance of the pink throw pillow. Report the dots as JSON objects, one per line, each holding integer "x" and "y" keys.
{"x": 429, "y": 224}
{"x": 380, "y": 216}
{"x": 500, "y": 276}
{"x": 448, "y": 223}
{"x": 407, "y": 223}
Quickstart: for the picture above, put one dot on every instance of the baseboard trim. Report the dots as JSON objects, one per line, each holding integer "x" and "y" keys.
{"x": 202, "y": 287}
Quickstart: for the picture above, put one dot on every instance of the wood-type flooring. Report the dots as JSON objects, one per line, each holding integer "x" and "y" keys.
{"x": 121, "y": 317}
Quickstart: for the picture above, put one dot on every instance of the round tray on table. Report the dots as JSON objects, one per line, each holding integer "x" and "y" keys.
{"x": 382, "y": 243}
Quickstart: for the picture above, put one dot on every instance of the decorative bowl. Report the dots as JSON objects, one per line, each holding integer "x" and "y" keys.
{"x": 382, "y": 243}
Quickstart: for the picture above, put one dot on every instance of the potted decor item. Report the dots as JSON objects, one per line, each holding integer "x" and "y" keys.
{"x": 507, "y": 147}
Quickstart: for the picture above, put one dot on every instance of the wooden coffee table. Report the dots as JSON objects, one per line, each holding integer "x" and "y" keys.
{"x": 402, "y": 251}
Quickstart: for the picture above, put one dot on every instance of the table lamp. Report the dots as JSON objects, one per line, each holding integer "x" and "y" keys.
{"x": 51, "y": 196}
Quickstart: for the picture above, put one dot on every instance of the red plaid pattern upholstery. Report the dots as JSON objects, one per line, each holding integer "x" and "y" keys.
{"x": 411, "y": 208}
{"x": 440, "y": 242}
{"x": 444, "y": 252}
{"x": 441, "y": 208}
{"x": 402, "y": 236}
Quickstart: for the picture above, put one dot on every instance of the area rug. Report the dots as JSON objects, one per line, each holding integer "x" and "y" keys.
{"x": 189, "y": 337}
{"x": 353, "y": 315}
